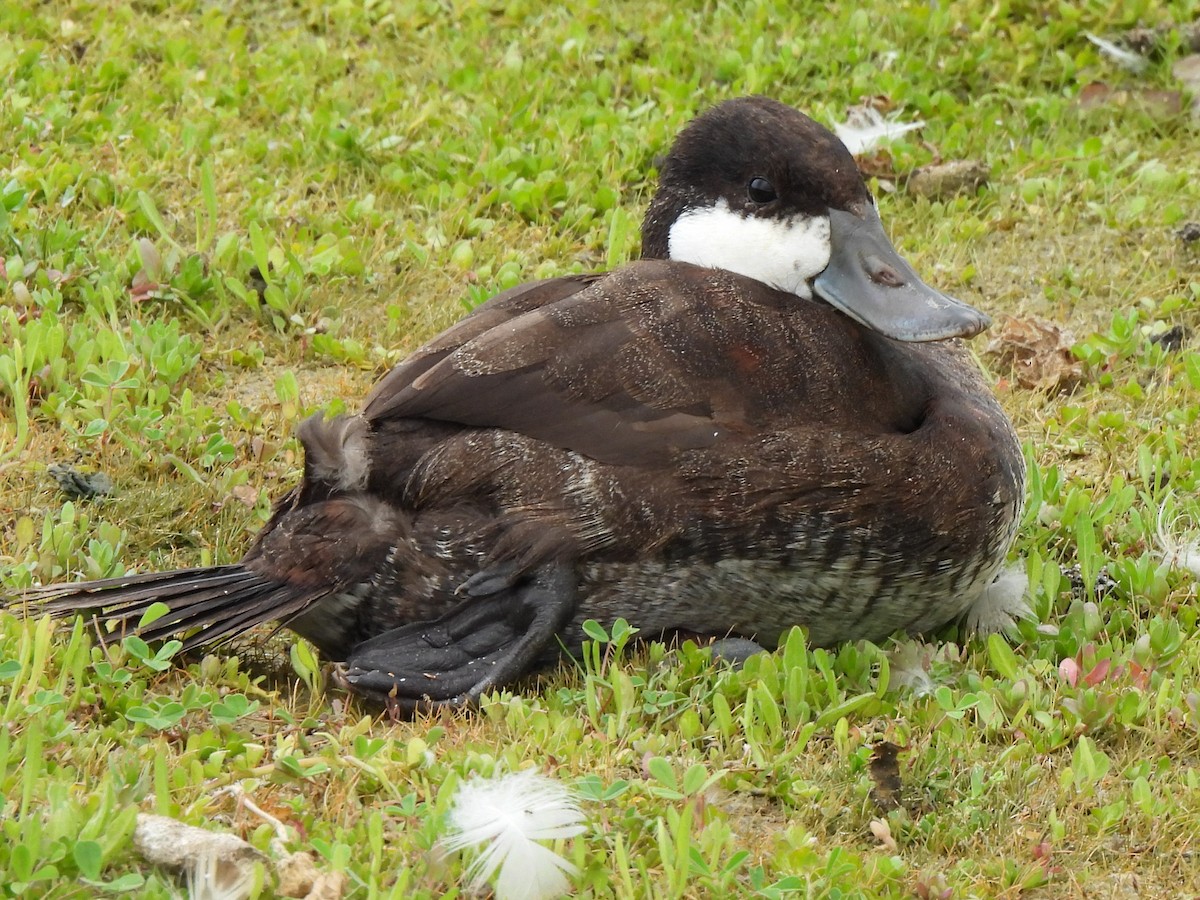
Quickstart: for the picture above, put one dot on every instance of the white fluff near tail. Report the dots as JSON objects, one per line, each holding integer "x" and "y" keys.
{"x": 1002, "y": 602}
{"x": 506, "y": 817}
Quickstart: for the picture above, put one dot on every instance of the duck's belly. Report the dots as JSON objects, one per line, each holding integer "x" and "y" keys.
{"x": 761, "y": 599}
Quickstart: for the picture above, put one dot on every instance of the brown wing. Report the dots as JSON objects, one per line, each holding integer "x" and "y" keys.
{"x": 656, "y": 358}
{"x": 498, "y": 310}
{"x": 589, "y": 371}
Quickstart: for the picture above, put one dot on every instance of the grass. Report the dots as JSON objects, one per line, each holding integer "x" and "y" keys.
{"x": 215, "y": 220}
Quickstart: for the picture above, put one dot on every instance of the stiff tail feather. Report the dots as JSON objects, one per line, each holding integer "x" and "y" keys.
{"x": 218, "y": 601}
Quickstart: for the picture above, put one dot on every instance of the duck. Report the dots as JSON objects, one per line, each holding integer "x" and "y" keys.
{"x": 768, "y": 420}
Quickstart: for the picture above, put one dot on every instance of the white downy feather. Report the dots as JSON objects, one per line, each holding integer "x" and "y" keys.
{"x": 1126, "y": 59}
{"x": 1179, "y": 546}
{"x": 506, "y": 817}
{"x": 909, "y": 665}
{"x": 1002, "y": 602}
{"x": 209, "y": 878}
{"x": 865, "y": 129}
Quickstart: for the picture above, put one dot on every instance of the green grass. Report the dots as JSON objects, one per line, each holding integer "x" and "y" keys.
{"x": 213, "y": 221}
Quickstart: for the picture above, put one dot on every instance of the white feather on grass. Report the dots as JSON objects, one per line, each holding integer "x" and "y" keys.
{"x": 1001, "y": 603}
{"x": 910, "y": 665}
{"x": 209, "y": 878}
{"x": 506, "y": 817}
{"x": 216, "y": 865}
{"x": 865, "y": 129}
{"x": 1179, "y": 545}
{"x": 1126, "y": 59}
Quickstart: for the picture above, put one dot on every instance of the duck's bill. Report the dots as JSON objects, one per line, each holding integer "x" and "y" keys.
{"x": 869, "y": 281}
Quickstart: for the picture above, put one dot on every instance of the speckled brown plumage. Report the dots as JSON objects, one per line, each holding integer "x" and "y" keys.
{"x": 683, "y": 447}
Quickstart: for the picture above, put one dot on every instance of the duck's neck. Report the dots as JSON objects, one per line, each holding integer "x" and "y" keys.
{"x": 656, "y": 226}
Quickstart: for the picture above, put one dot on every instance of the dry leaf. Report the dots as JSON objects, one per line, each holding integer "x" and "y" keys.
{"x": 142, "y": 287}
{"x": 877, "y": 164}
{"x": 297, "y": 874}
{"x": 328, "y": 886}
{"x": 1038, "y": 353}
{"x": 245, "y": 494}
{"x": 1187, "y": 70}
{"x": 883, "y": 834}
{"x": 152, "y": 263}
{"x": 939, "y": 180}
{"x": 1161, "y": 104}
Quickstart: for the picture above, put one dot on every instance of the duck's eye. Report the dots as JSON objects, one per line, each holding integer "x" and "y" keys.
{"x": 760, "y": 190}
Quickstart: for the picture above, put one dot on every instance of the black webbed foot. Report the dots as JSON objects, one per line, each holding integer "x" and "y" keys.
{"x": 490, "y": 581}
{"x": 734, "y": 651}
{"x": 479, "y": 645}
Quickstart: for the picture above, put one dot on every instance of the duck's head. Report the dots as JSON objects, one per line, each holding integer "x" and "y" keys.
{"x": 757, "y": 188}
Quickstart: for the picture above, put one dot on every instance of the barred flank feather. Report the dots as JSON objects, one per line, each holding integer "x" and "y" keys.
{"x": 220, "y": 601}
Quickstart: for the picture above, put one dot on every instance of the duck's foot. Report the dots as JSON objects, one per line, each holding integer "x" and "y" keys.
{"x": 729, "y": 651}
{"x": 478, "y": 646}
{"x": 734, "y": 651}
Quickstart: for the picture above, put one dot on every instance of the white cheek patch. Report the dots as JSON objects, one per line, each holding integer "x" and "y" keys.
{"x": 784, "y": 253}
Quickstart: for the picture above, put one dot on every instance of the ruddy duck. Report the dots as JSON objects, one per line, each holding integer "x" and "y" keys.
{"x": 764, "y": 422}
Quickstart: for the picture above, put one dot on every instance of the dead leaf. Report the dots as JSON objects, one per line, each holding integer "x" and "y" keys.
{"x": 883, "y": 834}
{"x": 885, "y": 772}
{"x": 1160, "y": 104}
{"x": 152, "y": 263}
{"x": 1187, "y": 70}
{"x": 1099, "y": 672}
{"x": 297, "y": 874}
{"x": 328, "y": 886}
{"x": 1068, "y": 671}
{"x": 245, "y": 494}
{"x": 1038, "y": 353}
{"x": 142, "y": 288}
{"x": 877, "y": 164}
{"x": 946, "y": 179}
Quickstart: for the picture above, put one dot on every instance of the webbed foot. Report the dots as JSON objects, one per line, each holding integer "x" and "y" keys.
{"x": 479, "y": 645}
{"x": 734, "y": 651}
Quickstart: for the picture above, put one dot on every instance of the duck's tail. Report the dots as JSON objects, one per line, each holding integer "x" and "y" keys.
{"x": 325, "y": 537}
{"x": 213, "y": 603}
